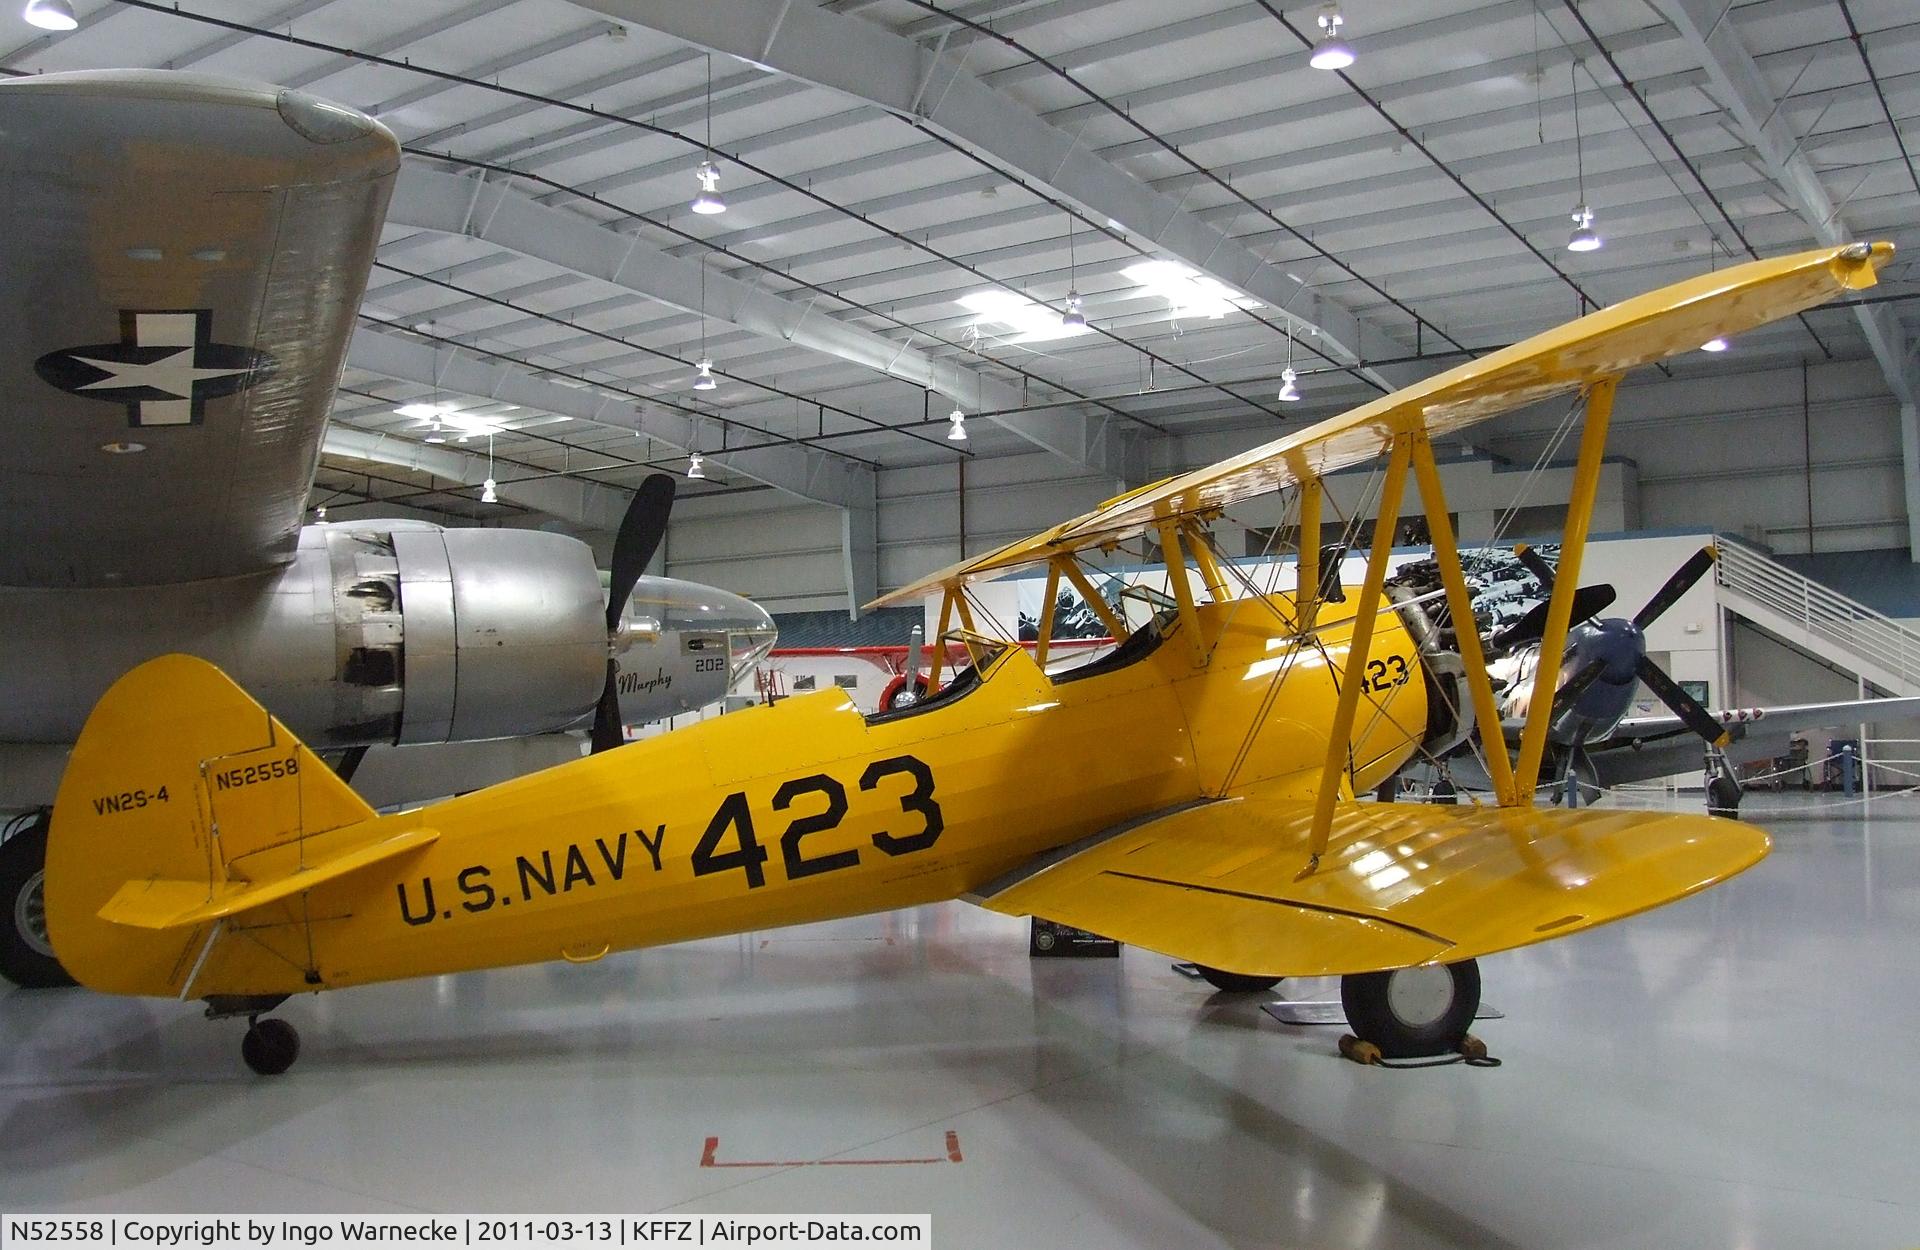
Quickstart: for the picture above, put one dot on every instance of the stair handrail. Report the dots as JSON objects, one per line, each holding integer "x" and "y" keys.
{"x": 1823, "y": 611}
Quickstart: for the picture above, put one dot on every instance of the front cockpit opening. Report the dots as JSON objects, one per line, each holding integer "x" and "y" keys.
{"x": 983, "y": 657}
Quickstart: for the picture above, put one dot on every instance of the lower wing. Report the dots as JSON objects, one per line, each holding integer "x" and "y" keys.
{"x": 1221, "y": 883}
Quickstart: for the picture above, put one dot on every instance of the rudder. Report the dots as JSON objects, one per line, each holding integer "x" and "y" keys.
{"x": 180, "y": 784}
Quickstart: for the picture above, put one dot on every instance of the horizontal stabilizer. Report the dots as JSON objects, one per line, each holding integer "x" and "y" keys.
{"x": 161, "y": 904}
{"x": 1222, "y": 884}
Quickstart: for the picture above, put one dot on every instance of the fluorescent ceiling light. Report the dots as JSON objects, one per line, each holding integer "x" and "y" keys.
{"x": 421, "y": 412}
{"x": 1029, "y": 321}
{"x": 1192, "y": 294}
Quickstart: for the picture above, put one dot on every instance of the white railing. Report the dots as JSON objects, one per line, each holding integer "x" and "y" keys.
{"x": 1825, "y": 613}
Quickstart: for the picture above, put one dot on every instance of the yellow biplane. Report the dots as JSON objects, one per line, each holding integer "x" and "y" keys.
{"x": 1191, "y": 792}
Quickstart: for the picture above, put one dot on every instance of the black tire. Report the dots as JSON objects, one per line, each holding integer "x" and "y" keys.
{"x": 26, "y": 956}
{"x": 1723, "y": 797}
{"x": 1236, "y": 982}
{"x": 270, "y": 1046}
{"x": 1445, "y": 793}
{"x": 1412, "y": 1012}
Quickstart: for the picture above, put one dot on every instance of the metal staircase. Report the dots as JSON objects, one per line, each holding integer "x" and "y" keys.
{"x": 1818, "y": 619}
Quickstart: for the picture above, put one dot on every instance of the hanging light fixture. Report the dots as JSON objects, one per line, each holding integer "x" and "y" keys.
{"x": 320, "y": 514}
{"x": 958, "y": 434}
{"x": 434, "y": 434}
{"x": 1289, "y": 393}
{"x": 694, "y": 471}
{"x": 703, "y": 379}
{"x": 1073, "y": 318}
{"x": 487, "y": 492}
{"x": 1331, "y": 52}
{"x": 1584, "y": 237}
{"x": 51, "y": 15}
{"x": 709, "y": 201}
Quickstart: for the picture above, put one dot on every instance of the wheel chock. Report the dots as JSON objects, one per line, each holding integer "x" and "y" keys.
{"x": 1470, "y": 1051}
{"x": 1360, "y": 1052}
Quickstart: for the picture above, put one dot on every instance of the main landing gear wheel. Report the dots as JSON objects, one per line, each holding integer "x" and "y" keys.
{"x": 26, "y": 955}
{"x": 270, "y": 1046}
{"x": 1235, "y": 982}
{"x": 1411, "y": 1012}
{"x": 1723, "y": 797}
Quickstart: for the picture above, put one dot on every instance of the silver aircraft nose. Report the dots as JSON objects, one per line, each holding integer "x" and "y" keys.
{"x": 667, "y": 603}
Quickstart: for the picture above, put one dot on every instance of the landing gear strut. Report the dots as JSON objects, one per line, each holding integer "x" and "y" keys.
{"x": 26, "y": 955}
{"x": 1412, "y": 1012}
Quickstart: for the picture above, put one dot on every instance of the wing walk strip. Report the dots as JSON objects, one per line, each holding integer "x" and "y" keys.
{"x": 1326, "y": 909}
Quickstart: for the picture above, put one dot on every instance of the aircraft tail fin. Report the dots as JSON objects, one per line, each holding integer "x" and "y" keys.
{"x": 185, "y": 804}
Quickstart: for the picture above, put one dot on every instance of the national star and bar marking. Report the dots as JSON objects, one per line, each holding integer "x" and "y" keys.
{"x": 164, "y": 368}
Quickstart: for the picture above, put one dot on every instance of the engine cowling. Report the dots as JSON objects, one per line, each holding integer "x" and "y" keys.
{"x": 392, "y": 632}
{"x": 448, "y": 635}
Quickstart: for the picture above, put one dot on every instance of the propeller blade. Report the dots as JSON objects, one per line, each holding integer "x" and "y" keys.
{"x": 1588, "y": 602}
{"x": 641, "y": 530}
{"x": 608, "y": 732}
{"x": 1679, "y": 584}
{"x": 1570, "y": 693}
{"x": 1684, "y": 705}
{"x": 1537, "y": 565}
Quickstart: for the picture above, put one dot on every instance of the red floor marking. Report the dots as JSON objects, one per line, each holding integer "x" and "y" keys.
{"x": 713, "y": 1144}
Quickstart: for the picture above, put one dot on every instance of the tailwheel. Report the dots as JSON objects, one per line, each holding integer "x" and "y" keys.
{"x": 270, "y": 1046}
{"x": 1235, "y": 982}
{"x": 1411, "y": 1012}
{"x": 26, "y": 954}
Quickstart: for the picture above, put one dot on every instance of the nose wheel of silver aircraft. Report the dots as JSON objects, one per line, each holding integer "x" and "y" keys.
{"x": 270, "y": 1046}
{"x": 1413, "y": 1012}
{"x": 1235, "y": 982}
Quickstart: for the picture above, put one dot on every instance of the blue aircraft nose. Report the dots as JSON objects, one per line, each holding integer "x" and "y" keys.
{"x": 1617, "y": 644}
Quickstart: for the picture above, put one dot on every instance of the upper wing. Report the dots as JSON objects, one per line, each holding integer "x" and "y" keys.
{"x": 1636, "y": 332}
{"x": 1789, "y": 716}
{"x": 1400, "y": 884}
{"x": 187, "y": 256}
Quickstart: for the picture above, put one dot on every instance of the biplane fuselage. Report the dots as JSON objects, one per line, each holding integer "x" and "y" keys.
{"x": 806, "y": 809}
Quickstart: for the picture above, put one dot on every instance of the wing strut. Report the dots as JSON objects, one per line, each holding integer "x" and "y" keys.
{"x": 1047, "y": 602}
{"x": 1306, "y": 592}
{"x": 1095, "y": 600}
{"x": 1177, "y": 580}
{"x": 1573, "y": 543}
{"x": 1486, "y": 712}
{"x": 1338, "y": 737}
{"x": 940, "y": 639}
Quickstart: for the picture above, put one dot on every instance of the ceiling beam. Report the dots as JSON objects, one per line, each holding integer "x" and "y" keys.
{"x": 586, "y": 504}
{"x": 427, "y": 198}
{"x": 803, "y": 472}
{"x": 1708, "y": 30}
{"x": 930, "y": 88}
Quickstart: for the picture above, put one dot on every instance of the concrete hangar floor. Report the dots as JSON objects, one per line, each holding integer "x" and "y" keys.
{"x": 1734, "y": 1070}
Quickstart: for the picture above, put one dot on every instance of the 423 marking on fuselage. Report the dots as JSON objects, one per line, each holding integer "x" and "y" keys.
{"x": 587, "y": 865}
